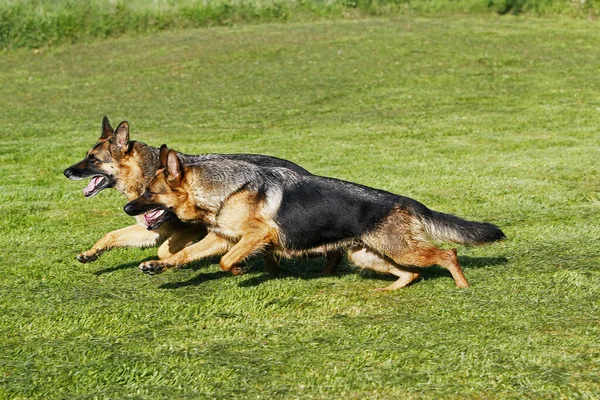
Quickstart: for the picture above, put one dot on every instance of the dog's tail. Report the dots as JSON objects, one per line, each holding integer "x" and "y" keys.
{"x": 450, "y": 228}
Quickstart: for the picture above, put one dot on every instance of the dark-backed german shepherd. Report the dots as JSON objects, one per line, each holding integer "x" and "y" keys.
{"x": 128, "y": 166}
{"x": 249, "y": 208}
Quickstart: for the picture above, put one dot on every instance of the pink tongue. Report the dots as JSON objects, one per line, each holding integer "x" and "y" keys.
{"x": 151, "y": 216}
{"x": 92, "y": 185}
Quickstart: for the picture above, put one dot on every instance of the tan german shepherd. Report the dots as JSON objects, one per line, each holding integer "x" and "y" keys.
{"x": 248, "y": 209}
{"x": 117, "y": 162}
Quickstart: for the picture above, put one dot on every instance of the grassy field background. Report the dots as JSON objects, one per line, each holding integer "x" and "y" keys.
{"x": 41, "y": 23}
{"x": 491, "y": 118}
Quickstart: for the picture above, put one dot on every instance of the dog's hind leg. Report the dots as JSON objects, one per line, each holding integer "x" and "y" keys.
{"x": 271, "y": 264}
{"x": 211, "y": 245}
{"x": 132, "y": 236}
{"x": 431, "y": 255}
{"x": 333, "y": 259}
{"x": 366, "y": 258}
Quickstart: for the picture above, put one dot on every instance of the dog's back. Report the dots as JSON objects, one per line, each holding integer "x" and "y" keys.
{"x": 267, "y": 161}
{"x": 254, "y": 159}
{"x": 318, "y": 211}
{"x": 315, "y": 211}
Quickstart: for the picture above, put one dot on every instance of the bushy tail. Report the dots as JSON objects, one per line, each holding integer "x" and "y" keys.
{"x": 450, "y": 228}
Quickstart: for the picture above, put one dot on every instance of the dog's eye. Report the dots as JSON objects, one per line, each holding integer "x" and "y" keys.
{"x": 92, "y": 158}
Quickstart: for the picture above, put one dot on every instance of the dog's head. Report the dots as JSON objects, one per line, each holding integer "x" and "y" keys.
{"x": 107, "y": 162}
{"x": 168, "y": 192}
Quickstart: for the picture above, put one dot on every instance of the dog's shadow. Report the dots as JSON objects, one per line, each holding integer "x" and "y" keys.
{"x": 132, "y": 264}
{"x": 303, "y": 268}
{"x": 196, "y": 280}
{"x": 119, "y": 267}
{"x": 481, "y": 262}
{"x": 310, "y": 268}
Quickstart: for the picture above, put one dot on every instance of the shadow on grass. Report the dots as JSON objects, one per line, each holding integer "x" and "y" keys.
{"x": 311, "y": 268}
{"x": 130, "y": 264}
{"x": 303, "y": 268}
{"x": 466, "y": 263}
{"x": 196, "y": 280}
{"x": 433, "y": 272}
{"x": 200, "y": 278}
{"x": 481, "y": 262}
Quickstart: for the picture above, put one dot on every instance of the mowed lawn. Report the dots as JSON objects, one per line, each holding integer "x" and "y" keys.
{"x": 490, "y": 118}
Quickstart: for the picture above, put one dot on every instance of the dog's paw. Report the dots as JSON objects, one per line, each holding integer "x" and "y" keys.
{"x": 87, "y": 257}
{"x": 238, "y": 270}
{"x": 152, "y": 267}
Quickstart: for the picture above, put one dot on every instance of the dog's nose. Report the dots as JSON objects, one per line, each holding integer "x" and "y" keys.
{"x": 68, "y": 172}
{"x": 129, "y": 208}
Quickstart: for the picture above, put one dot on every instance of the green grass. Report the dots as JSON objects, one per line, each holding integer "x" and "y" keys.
{"x": 41, "y": 23}
{"x": 489, "y": 118}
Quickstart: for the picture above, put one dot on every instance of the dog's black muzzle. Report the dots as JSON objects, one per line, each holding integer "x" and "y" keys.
{"x": 75, "y": 173}
{"x": 100, "y": 180}
{"x": 140, "y": 206}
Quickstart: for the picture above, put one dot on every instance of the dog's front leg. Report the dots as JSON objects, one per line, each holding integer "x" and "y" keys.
{"x": 252, "y": 242}
{"x": 132, "y": 236}
{"x": 211, "y": 245}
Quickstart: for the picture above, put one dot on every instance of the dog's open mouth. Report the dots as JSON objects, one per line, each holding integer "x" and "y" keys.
{"x": 97, "y": 183}
{"x": 155, "y": 218}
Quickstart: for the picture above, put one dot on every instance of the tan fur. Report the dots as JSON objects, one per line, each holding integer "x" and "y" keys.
{"x": 124, "y": 166}
{"x": 133, "y": 176}
{"x": 210, "y": 245}
{"x": 132, "y": 236}
{"x": 236, "y": 215}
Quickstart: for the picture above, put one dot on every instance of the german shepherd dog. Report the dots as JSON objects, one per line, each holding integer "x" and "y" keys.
{"x": 249, "y": 208}
{"x": 128, "y": 166}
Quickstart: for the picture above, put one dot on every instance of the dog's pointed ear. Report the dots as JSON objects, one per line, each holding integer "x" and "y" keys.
{"x": 173, "y": 168}
{"x": 122, "y": 136}
{"x": 107, "y": 130}
{"x": 164, "y": 152}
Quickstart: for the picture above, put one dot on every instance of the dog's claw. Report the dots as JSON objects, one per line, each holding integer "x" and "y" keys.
{"x": 151, "y": 267}
{"x": 83, "y": 258}
{"x": 237, "y": 270}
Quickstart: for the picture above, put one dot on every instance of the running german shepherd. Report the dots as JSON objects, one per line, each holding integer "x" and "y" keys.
{"x": 128, "y": 166}
{"x": 249, "y": 208}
